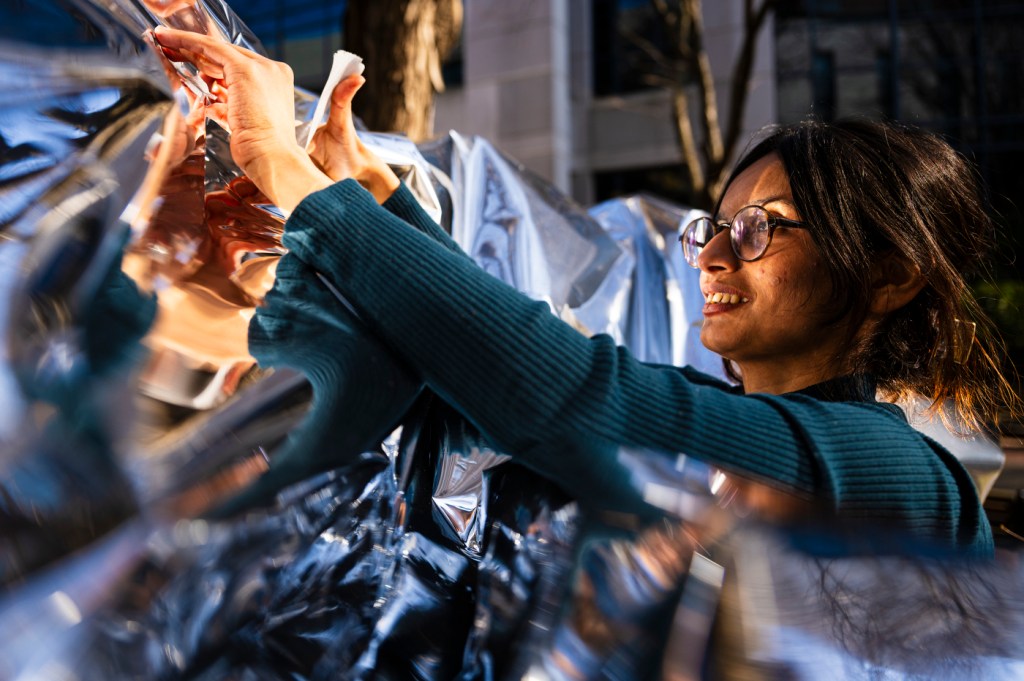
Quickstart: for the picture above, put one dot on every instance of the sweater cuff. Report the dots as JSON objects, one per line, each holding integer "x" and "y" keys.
{"x": 402, "y": 202}
{"x": 348, "y": 192}
{"x": 360, "y": 203}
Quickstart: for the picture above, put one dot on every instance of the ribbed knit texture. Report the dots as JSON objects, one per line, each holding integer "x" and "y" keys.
{"x": 360, "y": 390}
{"x": 563, "y": 404}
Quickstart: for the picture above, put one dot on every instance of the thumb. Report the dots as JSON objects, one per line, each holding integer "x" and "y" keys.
{"x": 341, "y": 101}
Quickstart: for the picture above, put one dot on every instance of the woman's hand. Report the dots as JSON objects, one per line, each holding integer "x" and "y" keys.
{"x": 337, "y": 150}
{"x": 255, "y": 102}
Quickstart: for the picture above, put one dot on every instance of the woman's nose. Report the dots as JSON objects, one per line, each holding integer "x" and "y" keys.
{"x": 718, "y": 254}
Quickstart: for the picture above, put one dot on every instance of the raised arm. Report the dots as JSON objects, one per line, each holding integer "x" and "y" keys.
{"x": 560, "y": 402}
{"x": 563, "y": 404}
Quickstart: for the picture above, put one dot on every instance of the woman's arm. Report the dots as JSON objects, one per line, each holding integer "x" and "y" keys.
{"x": 524, "y": 377}
{"x": 404, "y": 205}
{"x": 564, "y": 404}
{"x": 561, "y": 402}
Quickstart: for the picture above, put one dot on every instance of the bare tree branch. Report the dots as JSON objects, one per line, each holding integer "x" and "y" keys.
{"x": 684, "y": 130}
{"x": 677, "y": 27}
{"x": 705, "y": 83}
{"x": 740, "y": 88}
{"x": 684, "y": 62}
{"x": 670, "y": 65}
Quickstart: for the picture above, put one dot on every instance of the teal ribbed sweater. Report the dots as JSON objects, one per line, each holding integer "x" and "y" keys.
{"x": 563, "y": 404}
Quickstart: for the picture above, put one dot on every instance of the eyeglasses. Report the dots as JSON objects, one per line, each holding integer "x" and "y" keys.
{"x": 750, "y": 232}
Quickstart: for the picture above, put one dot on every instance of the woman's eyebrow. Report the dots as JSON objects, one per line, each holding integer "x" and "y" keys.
{"x": 775, "y": 198}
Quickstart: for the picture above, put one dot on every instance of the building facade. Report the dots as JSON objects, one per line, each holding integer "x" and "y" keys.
{"x": 561, "y": 85}
{"x": 551, "y": 83}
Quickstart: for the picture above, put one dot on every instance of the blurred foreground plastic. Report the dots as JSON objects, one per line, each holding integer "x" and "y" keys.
{"x": 430, "y": 557}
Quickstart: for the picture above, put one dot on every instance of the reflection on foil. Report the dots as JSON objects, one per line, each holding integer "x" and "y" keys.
{"x": 657, "y": 312}
{"x": 423, "y": 558}
{"x": 508, "y": 222}
{"x": 265, "y": 595}
{"x": 46, "y": 625}
{"x": 73, "y": 134}
{"x": 789, "y": 612}
{"x": 460, "y": 491}
{"x": 643, "y": 604}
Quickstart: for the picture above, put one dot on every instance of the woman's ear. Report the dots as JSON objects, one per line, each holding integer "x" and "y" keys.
{"x": 895, "y": 281}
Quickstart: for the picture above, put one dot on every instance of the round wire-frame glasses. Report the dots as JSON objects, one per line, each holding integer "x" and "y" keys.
{"x": 750, "y": 233}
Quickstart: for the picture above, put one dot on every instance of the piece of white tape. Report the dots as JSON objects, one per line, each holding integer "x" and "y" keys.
{"x": 345, "y": 64}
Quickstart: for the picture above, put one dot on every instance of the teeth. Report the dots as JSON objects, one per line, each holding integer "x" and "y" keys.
{"x": 724, "y": 298}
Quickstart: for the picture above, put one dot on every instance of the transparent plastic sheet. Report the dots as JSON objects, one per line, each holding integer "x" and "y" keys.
{"x": 124, "y": 23}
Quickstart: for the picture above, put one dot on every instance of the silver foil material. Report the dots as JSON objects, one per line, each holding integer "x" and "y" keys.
{"x": 74, "y": 132}
{"x": 432, "y": 557}
{"x": 660, "y": 316}
{"x": 793, "y": 608}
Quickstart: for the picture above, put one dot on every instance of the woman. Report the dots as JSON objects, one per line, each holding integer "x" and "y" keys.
{"x": 832, "y": 267}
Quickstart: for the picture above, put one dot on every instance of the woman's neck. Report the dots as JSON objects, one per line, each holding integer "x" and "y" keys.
{"x": 777, "y": 378}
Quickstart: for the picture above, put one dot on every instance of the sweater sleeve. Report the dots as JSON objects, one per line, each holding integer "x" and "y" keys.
{"x": 563, "y": 403}
{"x": 404, "y": 205}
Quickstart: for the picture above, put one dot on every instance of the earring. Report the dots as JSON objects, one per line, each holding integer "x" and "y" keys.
{"x": 963, "y": 340}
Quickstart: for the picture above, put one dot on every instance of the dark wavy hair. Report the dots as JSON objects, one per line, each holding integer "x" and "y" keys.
{"x": 868, "y": 188}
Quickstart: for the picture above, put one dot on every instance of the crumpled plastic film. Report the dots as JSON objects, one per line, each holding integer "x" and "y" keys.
{"x": 461, "y": 603}
{"x": 264, "y": 595}
{"x": 74, "y": 133}
{"x": 431, "y": 557}
{"x": 644, "y": 596}
{"x": 660, "y": 318}
{"x": 124, "y": 23}
{"x": 523, "y": 231}
{"x": 808, "y": 605}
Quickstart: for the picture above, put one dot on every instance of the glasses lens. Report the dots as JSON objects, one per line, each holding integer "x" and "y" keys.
{"x": 695, "y": 237}
{"x": 750, "y": 233}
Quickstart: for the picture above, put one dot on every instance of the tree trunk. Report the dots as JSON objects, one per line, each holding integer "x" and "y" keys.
{"x": 403, "y": 43}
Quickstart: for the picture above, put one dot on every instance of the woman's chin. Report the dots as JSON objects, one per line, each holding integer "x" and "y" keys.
{"x": 715, "y": 341}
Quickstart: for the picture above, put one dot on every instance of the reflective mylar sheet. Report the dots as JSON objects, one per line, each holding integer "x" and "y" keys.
{"x": 74, "y": 133}
{"x": 798, "y": 610}
{"x": 132, "y": 255}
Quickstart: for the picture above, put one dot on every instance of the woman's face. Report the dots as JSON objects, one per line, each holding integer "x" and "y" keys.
{"x": 777, "y": 331}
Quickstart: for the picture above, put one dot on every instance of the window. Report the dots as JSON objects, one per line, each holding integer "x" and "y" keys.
{"x": 625, "y": 33}
{"x": 669, "y": 182}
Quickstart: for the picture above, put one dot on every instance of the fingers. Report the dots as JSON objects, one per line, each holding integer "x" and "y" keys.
{"x": 212, "y": 56}
{"x": 209, "y": 70}
{"x": 204, "y": 46}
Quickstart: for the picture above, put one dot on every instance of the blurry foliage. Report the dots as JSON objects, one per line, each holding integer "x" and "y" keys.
{"x": 1003, "y": 301}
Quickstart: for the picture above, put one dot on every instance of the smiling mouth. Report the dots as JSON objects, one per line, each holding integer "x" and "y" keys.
{"x": 724, "y": 299}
